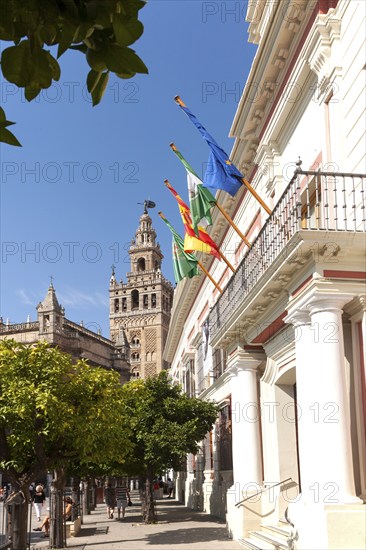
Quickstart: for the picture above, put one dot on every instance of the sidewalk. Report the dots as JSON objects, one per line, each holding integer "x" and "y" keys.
{"x": 177, "y": 528}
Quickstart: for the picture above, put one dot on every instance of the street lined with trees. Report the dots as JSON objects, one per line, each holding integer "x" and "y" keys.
{"x": 77, "y": 420}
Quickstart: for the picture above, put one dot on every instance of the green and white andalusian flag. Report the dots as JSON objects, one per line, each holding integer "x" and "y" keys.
{"x": 200, "y": 198}
{"x": 184, "y": 263}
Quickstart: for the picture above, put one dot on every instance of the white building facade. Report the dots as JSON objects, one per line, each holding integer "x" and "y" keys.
{"x": 282, "y": 348}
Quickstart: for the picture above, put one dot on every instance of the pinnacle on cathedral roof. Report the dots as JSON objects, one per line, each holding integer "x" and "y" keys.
{"x": 50, "y": 302}
{"x": 121, "y": 340}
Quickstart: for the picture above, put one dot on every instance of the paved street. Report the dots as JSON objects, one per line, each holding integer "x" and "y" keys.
{"x": 177, "y": 527}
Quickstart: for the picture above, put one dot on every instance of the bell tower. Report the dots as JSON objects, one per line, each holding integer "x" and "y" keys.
{"x": 140, "y": 308}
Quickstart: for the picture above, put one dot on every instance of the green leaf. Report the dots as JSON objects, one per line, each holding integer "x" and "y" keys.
{"x": 99, "y": 88}
{"x": 48, "y": 33}
{"x": 16, "y": 63}
{"x": 84, "y": 30}
{"x": 126, "y": 30}
{"x": 124, "y": 60}
{"x": 8, "y": 137}
{"x": 6, "y": 23}
{"x": 68, "y": 32}
{"x": 92, "y": 80}
{"x": 29, "y": 68}
{"x": 125, "y": 75}
{"x": 42, "y": 69}
{"x": 55, "y": 67}
{"x": 83, "y": 48}
{"x": 131, "y": 7}
{"x": 31, "y": 92}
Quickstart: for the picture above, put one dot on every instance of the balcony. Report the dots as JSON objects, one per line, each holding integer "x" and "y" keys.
{"x": 317, "y": 210}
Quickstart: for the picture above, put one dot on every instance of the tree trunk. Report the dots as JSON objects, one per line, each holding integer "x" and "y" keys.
{"x": 92, "y": 494}
{"x": 75, "y": 495}
{"x": 17, "y": 507}
{"x": 57, "y": 530}
{"x": 85, "y": 497}
{"x": 148, "y": 504}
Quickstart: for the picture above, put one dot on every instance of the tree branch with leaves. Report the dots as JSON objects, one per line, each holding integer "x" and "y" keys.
{"x": 54, "y": 413}
{"x": 102, "y": 30}
{"x": 166, "y": 425}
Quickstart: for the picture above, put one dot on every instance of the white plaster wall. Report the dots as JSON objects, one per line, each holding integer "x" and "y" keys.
{"x": 351, "y": 94}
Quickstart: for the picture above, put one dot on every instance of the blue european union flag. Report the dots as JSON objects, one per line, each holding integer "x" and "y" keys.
{"x": 221, "y": 173}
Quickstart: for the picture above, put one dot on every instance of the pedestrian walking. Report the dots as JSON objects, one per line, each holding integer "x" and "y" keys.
{"x": 156, "y": 489}
{"x": 122, "y": 496}
{"x": 110, "y": 499}
{"x": 170, "y": 487}
{"x": 38, "y": 499}
{"x": 161, "y": 487}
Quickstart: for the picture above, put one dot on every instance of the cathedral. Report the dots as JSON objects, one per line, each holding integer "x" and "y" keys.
{"x": 139, "y": 316}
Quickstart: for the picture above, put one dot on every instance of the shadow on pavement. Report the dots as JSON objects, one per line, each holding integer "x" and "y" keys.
{"x": 180, "y": 536}
{"x": 180, "y": 513}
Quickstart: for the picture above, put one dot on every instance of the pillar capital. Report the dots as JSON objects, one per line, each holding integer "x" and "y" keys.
{"x": 241, "y": 359}
{"x": 297, "y": 318}
{"x": 319, "y": 301}
{"x": 324, "y": 301}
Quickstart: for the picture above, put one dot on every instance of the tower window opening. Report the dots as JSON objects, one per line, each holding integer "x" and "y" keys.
{"x": 116, "y": 305}
{"x": 146, "y": 301}
{"x": 141, "y": 264}
{"x": 153, "y": 300}
{"x": 124, "y": 304}
{"x": 135, "y": 299}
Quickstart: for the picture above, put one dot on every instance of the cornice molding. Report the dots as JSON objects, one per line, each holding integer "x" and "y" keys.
{"x": 319, "y": 52}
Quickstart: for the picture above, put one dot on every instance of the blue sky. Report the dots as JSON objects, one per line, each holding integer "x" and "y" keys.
{"x": 69, "y": 195}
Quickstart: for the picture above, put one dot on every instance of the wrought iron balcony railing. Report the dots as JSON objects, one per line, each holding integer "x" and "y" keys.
{"x": 312, "y": 201}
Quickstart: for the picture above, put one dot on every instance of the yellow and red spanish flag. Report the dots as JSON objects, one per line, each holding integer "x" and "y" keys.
{"x": 192, "y": 242}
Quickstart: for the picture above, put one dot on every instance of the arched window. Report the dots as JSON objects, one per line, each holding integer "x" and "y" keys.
{"x": 153, "y": 300}
{"x": 135, "y": 299}
{"x": 141, "y": 264}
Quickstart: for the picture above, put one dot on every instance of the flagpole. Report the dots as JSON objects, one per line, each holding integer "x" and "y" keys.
{"x": 255, "y": 195}
{"x": 226, "y": 261}
{"x": 233, "y": 225}
{"x": 178, "y": 100}
{"x": 209, "y": 276}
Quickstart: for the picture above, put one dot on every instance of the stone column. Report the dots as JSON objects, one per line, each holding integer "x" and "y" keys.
{"x": 246, "y": 441}
{"x": 323, "y": 409}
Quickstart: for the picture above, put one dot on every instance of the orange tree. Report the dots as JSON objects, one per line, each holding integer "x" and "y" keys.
{"x": 102, "y": 30}
{"x": 166, "y": 424}
{"x": 54, "y": 413}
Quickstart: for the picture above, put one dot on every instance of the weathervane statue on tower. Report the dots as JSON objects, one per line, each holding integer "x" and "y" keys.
{"x": 147, "y": 204}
